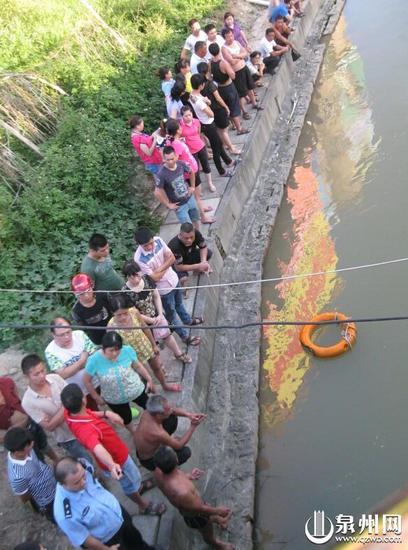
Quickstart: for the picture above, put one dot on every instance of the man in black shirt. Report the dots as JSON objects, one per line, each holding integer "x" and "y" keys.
{"x": 191, "y": 252}
{"x": 92, "y": 308}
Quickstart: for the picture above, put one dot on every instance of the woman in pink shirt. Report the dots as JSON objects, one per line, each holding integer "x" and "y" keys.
{"x": 184, "y": 154}
{"x": 145, "y": 145}
{"x": 190, "y": 131}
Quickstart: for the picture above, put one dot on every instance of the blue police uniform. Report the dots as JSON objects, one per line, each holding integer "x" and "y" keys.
{"x": 94, "y": 511}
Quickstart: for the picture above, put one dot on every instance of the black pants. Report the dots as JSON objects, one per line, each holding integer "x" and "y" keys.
{"x": 202, "y": 156}
{"x": 128, "y": 537}
{"x": 210, "y": 130}
{"x": 47, "y": 511}
{"x": 271, "y": 63}
{"x": 183, "y": 454}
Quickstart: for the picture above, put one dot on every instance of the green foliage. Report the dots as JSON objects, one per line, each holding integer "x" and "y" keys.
{"x": 85, "y": 182}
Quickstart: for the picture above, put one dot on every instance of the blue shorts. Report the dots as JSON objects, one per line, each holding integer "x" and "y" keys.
{"x": 188, "y": 212}
{"x": 131, "y": 478}
{"x": 153, "y": 169}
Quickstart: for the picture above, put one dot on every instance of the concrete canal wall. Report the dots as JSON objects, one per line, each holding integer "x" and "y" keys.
{"x": 224, "y": 382}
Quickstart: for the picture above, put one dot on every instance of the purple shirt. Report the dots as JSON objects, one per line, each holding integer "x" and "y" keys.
{"x": 236, "y": 29}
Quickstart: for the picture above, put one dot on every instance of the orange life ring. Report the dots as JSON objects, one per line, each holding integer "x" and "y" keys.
{"x": 348, "y": 335}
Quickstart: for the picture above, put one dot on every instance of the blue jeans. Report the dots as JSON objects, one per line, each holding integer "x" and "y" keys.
{"x": 75, "y": 449}
{"x": 174, "y": 311}
{"x": 188, "y": 212}
{"x": 131, "y": 479}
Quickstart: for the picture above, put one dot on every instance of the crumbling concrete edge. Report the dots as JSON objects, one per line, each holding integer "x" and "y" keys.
{"x": 225, "y": 381}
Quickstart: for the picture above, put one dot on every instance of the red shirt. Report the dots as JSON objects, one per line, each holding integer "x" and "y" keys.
{"x": 137, "y": 141}
{"x": 192, "y": 135}
{"x": 12, "y": 402}
{"x": 90, "y": 430}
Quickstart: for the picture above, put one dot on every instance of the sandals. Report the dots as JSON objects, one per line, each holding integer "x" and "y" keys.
{"x": 246, "y": 116}
{"x": 197, "y": 321}
{"x": 184, "y": 358}
{"x": 227, "y": 174}
{"x": 258, "y": 108}
{"x": 192, "y": 340}
{"x": 154, "y": 509}
{"x": 146, "y": 485}
{"x": 242, "y": 132}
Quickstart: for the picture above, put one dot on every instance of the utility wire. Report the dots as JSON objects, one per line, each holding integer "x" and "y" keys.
{"x": 18, "y": 326}
{"x": 219, "y": 285}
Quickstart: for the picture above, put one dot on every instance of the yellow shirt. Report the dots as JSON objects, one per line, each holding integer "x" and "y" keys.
{"x": 188, "y": 82}
{"x": 136, "y": 338}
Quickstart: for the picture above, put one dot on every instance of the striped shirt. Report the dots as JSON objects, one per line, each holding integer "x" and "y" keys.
{"x": 32, "y": 476}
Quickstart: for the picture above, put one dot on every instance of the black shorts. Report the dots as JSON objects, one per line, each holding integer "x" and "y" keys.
{"x": 196, "y": 522}
{"x": 230, "y": 95}
{"x": 243, "y": 81}
{"x": 183, "y": 455}
{"x": 147, "y": 463}
{"x": 221, "y": 118}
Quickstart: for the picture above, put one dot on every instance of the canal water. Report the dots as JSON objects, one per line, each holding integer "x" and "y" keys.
{"x": 333, "y": 431}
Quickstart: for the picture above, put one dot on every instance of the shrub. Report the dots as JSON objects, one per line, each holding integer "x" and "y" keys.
{"x": 86, "y": 181}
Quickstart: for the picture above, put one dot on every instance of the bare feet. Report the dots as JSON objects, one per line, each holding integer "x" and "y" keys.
{"x": 208, "y": 208}
{"x": 207, "y": 220}
{"x": 223, "y": 545}
{"x": 223, "y": 520}
{"x": 171, "y": 387}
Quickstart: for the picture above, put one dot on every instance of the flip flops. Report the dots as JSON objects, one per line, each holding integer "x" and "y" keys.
{"x": 184, "y": 358}
{"x": 192, "y": 341}
{"x": 147, "y": 485}
{"x": 154, "y": 509}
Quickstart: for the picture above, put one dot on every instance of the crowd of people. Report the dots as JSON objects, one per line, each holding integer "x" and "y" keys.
{"x": 211, "y": 92}
{"x": 89, "y": 380}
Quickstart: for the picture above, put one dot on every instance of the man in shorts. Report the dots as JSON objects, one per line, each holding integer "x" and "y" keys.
{"x": 235, "y": 54}
{"x": 178, "y": 487}
{"x": 156, "y": 426}
{"x": 109, "y": 450}
{"x": 173, "y": 190}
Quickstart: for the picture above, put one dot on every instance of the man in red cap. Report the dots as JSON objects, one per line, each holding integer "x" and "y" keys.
{"x": 91, "y": 308}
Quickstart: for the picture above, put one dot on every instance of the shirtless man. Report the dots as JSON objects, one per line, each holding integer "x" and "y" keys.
{"x": 235, "y": 54}
{"x": 156, "y": 426}
{"x": 178, "y": 487}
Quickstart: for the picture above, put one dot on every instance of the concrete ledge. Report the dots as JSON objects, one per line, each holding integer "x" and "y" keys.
{"x": 224, "y": 382}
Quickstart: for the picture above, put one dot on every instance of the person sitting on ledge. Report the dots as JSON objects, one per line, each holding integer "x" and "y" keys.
{"x": 178, "y": 487}
{"x": 282, "y": 33}
{"x": 156, "y": 426}
{"x": 191, "y": 252}
{"x": 256, "y": 67}
{"x": 270, "y": 51}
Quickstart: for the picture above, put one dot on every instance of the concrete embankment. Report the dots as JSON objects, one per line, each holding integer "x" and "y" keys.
{"x": 224, "y": 382}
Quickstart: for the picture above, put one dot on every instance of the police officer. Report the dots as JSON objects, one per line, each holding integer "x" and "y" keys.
{"x": 90, "y": 515}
